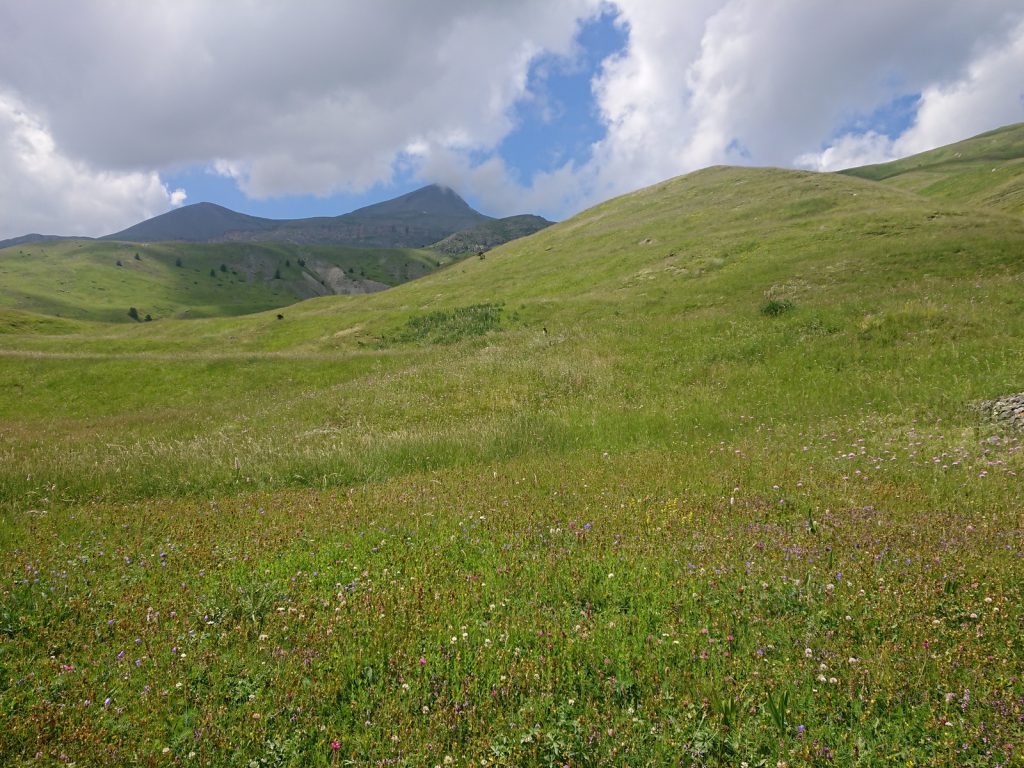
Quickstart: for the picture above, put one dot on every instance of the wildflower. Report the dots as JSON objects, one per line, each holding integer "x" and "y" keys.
{"x": 808, "y": 653}
{"x": 423, "y": 661}
{"x": 335, "y": 745}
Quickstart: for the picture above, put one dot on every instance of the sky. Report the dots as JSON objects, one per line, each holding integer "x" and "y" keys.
{"x": 113, "y": 111}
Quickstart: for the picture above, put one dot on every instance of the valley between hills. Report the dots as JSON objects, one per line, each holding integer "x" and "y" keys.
{"x": 708, "y": 474}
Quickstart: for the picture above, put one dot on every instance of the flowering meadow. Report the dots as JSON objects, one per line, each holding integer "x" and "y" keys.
{"x": 695, "y": 478}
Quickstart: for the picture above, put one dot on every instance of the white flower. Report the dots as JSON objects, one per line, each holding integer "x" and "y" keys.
{"x": 808, "y": 652}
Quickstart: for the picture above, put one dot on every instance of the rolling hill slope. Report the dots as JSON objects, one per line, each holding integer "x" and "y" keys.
{"x": 696, "y": 476}
{"x": 100, "y": 280}
{"x": 986, "y": 171}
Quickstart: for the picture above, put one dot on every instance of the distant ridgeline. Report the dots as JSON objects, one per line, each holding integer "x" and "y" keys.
{"x": 206, "y": 260}
{"x": 415, "y": 220}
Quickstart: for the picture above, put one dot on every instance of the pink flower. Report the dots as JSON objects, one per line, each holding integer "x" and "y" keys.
{"x": 335, "y": 745}
{"x": 423, "y": 661}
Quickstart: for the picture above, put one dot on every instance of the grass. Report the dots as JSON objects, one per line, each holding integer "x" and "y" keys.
{"x": 583, "y": 502}
{"x": 100, "y": 280}
{"x": 985, "y": 171}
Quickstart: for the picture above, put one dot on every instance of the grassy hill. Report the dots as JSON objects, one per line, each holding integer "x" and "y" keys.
{"x": 987, "y": 171}
{"x": 99, "y": 280}
{"x": 695, "y": 476}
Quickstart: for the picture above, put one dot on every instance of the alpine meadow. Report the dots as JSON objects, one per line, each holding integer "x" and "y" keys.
{"x": 724, "y": 471}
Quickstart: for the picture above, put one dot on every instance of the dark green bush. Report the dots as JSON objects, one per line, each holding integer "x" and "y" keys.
{"x": 776, "y": 307}
{"x": 450, "y": 326}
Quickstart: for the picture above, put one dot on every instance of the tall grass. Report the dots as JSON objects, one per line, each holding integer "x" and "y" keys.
{"x": 629, "y": 519}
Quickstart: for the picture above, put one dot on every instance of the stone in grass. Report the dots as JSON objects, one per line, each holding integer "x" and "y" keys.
{"x": 1007, "y": 410}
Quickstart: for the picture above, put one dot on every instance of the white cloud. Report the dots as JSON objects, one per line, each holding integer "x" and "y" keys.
{"x": 745, "y": 81}
{"x": 989, "y": 94}
{"x": 849, "y": 151}
{"x": 337, "y": 97}
{"x": 748, "y": 82}
{"x": 284, "y": 100}
{"x": 42, "y": 190}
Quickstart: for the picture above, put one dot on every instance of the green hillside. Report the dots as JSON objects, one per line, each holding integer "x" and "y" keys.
{"x": 100, "y": 280}
{"x": 695, "y": 477}
{"x": 986, "y": 171}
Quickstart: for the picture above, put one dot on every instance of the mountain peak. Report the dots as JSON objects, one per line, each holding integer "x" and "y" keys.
{"x": 433, "y": 199}
{"x": 413, "y": 220}
{"x": 196, "y": 222}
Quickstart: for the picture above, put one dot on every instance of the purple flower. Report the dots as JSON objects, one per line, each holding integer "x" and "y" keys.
{"x": 106, "y": 702}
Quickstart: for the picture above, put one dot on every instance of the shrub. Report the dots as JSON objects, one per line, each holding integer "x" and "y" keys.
{"x": 449, "y": 326}
{"x": 775, "y": 307}
{"x": 133, "y": 313}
